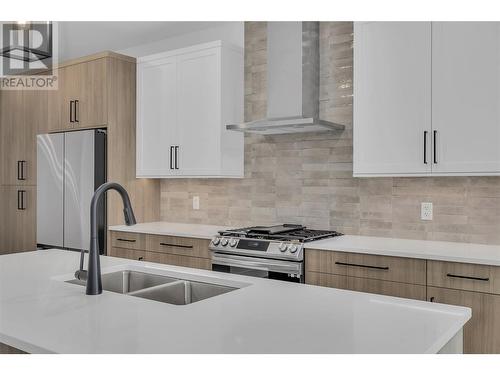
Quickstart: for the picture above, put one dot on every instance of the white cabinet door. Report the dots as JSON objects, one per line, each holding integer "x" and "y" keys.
{"x": 156, "y": 116}
{"x": 199, "y": 112}
{"x": 392, "y": 98}
{"x": 466, "y": 97}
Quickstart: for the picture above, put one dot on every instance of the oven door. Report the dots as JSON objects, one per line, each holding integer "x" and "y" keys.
{"x": 258, "y": 267}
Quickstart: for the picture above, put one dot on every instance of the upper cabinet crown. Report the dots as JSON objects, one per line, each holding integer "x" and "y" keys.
{"x": 426, "y": 98}
{"x": 185, "y": 98}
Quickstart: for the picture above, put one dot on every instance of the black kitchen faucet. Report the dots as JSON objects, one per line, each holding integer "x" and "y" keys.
{"x": 93, "y": 275}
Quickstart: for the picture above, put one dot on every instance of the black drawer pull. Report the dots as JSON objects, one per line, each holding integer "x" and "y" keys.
{"x": 140, "y": 258}
{"x": 173, "y": 245}
{"x": 468, "y": 277}
{"x": 362, "y": 266}
{"x": 125, "y": 240}
{"x": 20, "y": 200}
{"x": 20, "y": 170}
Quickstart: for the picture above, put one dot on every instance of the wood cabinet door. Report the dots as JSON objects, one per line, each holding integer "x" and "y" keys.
{"x": 22, "y": 112}
{"x": 392, "y": 98}
{"x": 466, "y": 97}
{"x": 91, "y": 108}
{"x": 482, "y": 331}
{"x": 80, "y": 100}
{"x": 58, "y": 116}
{"x": 18, "y": 219}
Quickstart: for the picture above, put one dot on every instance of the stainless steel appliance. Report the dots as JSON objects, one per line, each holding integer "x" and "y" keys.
{"x": 70, "y": 167}
{"x": 274, "y": 252}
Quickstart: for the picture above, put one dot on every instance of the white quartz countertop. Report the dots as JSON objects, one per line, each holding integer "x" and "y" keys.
{"x": 40, "y": 313}
{"x": 434, "y": 250}
{"x": 172, "y": 229}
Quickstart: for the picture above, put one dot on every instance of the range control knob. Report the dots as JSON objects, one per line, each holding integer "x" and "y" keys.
{"x": 224, "y": 242}
{"x": 232, "y": 242}
{"x": 283, "y": 246}
{"x": 215, "y": 241}
{"x": 293, "y": 248}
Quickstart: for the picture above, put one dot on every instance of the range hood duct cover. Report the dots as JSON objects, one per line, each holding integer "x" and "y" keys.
{"x": 292, "y": 82}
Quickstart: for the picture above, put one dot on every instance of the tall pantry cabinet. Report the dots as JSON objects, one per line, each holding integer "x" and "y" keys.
{"x": 96, "y": 91}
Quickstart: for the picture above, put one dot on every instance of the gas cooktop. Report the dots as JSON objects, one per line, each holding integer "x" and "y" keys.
{"x": 285, "y": 241}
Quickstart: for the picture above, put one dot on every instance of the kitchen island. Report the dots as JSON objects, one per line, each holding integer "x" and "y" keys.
{"x": 41, "y": 313}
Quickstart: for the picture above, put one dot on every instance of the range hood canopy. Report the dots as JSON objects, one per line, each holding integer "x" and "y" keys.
{"x": 292, "y": 82}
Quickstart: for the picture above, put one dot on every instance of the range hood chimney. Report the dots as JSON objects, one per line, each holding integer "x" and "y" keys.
{"x": 292, "y": 82}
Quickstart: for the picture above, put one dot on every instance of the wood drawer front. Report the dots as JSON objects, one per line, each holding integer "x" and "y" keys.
{"x": 405, "y": 270}
{"x": 325, "y": 261}
{"x": 482, "y": 331}
{"x": 179, "y": 260}
{"x": 387, "y": 288}
{"x": 473, "y": 277}
{"x": 184, "y": 246}
{"x": 128, "y": 240}
{"x": 127, "y": 253}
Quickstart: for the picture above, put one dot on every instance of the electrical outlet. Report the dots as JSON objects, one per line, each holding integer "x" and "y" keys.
{"x": 426, "y": 211}
{"x": 196, "y": 202}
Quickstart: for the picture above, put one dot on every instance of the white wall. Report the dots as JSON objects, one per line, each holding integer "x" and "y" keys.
{"x": 232, "y": 32}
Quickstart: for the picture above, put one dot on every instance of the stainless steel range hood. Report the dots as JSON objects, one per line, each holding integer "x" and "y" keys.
{"x": 292, "y": 82}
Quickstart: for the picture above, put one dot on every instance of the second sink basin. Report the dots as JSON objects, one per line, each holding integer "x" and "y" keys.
{"x": 182, "y": 292}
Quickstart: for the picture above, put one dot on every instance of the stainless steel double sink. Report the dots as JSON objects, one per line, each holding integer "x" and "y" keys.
{"x": 159, "y": 288}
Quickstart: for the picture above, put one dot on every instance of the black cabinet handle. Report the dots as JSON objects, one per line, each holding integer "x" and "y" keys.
{"x": 140, "y": 258}
{"x": 171, "y": 157}
{"x": 125, "y": 240}
{"x": 71, "y": 111}
{"x": 435, "y": 146}
{"x": 468, "y": 277}
{"x": 20, "y": 200}
{"x": 425, "y": 146}
{"x": 383, "y": 268}
{"x": 173, "y": 245}
{"x": 20, "y": 170}
{"x": 176, "y": 157}
{"x": 431, "y": 299}
{"x": 77, "y": 111}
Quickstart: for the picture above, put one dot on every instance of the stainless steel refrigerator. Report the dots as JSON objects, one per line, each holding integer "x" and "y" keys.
{"x": 70, "y": 166}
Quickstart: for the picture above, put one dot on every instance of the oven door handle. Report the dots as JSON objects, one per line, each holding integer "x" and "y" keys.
{"x": 293, "y": 268}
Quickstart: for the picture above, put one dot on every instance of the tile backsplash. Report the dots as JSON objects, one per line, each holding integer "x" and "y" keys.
{"x": 307, "y": 178}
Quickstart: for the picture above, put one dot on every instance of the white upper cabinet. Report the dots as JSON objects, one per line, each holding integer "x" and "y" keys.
{"x": 392, "y": 97}
{"x": 466, "y": 97}
{"x": 185, "y": 99}
{"x": 426, "y": 98}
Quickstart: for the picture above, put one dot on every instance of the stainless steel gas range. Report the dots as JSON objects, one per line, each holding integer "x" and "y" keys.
{"x": 274, "y": 252}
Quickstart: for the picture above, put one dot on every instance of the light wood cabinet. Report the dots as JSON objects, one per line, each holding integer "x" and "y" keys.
{"x": 374, "y": 286}
{"x": 185, "y": 99}
{"x": 482, "y": 331}
{"x": 472, "y": 277}
{"x": 405, "y": 270}
{"x": 173, "y": 250}
{"x": 22, "y": 113}
{"x": 421, "y": 90}
{"x": 17, "y": 219}
{"x": 81, "y": 99}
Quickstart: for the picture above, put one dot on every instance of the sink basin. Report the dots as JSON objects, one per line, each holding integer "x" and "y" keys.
{"x": 182, "y": 292}
{"x": 128, "y": 281}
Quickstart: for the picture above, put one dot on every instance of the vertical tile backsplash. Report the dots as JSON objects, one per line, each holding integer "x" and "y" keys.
{"x": 307, "y": 178}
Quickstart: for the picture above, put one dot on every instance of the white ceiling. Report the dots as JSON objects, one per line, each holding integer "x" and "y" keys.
{"x": 83, "y": 38}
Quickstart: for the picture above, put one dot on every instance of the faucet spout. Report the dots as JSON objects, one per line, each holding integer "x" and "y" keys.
{"x": 93, "y": 276}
